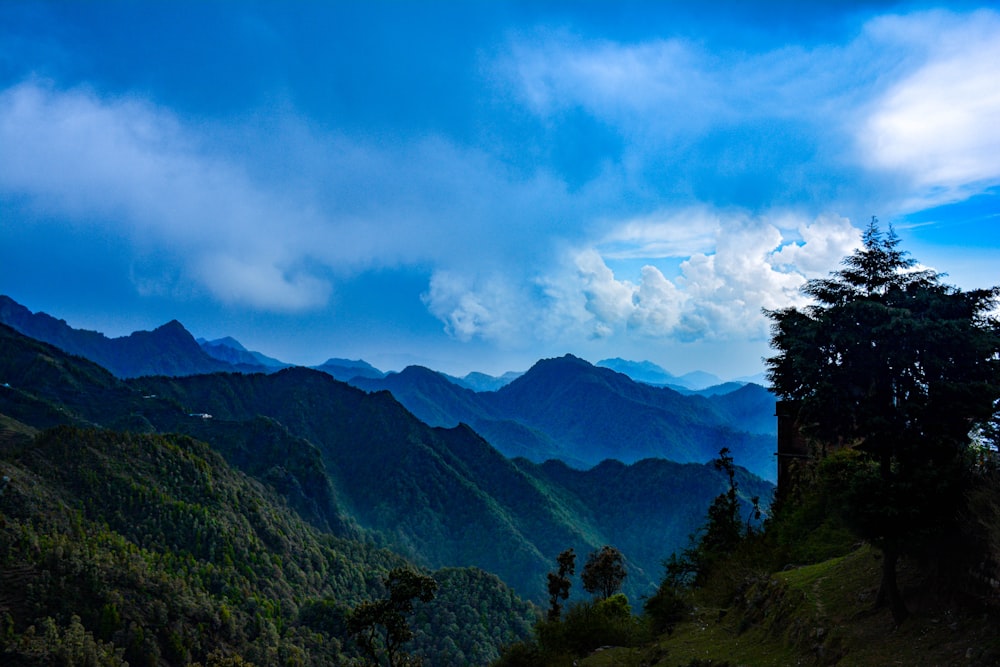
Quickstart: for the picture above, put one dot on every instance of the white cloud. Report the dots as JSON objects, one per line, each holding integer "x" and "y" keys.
{"x": 140, "y": 173}
{"x": 234, "y": 281}
{"x": 718, "y": 296}
{"x": 824, "y": 243}
{"x": 940, "y": 123}
{"x": 609, "y": 79}
{"x": 674, "y": 89}
{"x": 662, "y": 234}
{"x": 476, "y": 308}
{"x": 913, "y": 98}
{"x": 134, "y": 171}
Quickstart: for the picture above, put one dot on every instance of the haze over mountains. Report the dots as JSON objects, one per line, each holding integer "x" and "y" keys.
{"x": 171, "y": 350}
{"x": 570, "y": 410}
{"x": 567, "y": 454}
{"x": 347, "y": 460}
{"x": 564, "y": 409}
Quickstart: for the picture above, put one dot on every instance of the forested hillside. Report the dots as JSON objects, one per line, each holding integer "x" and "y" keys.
{"x": 152, "y": 550}
{"x": 445, "y": 496}
{"x": 360, "y": 464}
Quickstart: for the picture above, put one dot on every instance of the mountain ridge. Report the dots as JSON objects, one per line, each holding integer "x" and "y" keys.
{"x": 349, "y": 461}
{"x": 168, "y": 349}
{"x": 105, "y": 350}
{"x": 568, "y": 409}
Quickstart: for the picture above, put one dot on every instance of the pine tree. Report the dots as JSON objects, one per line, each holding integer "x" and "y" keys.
{"x": 895, "y": 365}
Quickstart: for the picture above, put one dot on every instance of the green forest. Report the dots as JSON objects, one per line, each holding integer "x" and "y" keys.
{"x": 882, "y": 547}
{"x": 309, "y": 523}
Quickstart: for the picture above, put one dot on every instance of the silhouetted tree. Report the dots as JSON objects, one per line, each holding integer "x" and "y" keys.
{"x": 380, "y": 627}
{"x": 724, "y": 528}
{"x": 900, "y": 368}
{"x": 604, "y": 572}
{"x": 559, "y": 582}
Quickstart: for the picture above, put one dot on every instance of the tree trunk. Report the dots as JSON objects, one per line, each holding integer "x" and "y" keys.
{"x": 888, "y": 591}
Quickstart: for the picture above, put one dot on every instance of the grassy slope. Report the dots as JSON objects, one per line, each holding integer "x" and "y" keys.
{"x": 817, "y": 615}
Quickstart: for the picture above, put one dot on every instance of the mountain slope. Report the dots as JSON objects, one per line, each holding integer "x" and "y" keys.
{"x": 230, "y": 350}
{"x": 409, "y": 482}
{"x": 167, "y": 350}
{"x": 570, "y": 410}
{"x": 153, "y": 550}
{"x": 345, "y": 459}
{"x": 445, "y": 496}
{"x": 48, "y": 388}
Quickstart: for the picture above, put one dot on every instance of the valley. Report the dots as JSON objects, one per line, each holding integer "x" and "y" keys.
{"x": 352, "y": 462}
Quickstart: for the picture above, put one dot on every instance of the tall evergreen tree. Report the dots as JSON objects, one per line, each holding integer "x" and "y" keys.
{"x": 895, "y": 365}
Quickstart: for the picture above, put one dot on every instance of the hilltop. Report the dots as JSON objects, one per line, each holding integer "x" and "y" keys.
{"x": 820, "y": 614}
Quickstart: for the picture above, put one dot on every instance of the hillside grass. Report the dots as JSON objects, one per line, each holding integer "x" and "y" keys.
{"x": 823, "y": 614}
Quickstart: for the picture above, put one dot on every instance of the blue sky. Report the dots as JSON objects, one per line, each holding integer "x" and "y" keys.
{"x": 476, "y": 185}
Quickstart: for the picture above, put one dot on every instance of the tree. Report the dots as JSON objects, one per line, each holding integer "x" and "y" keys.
{"x": 719, "y": 538}
{"x": 724, "y": 528}
{"x": 604, "y": 572}
{"x": 900, "y": 368}
{"x": 380, "y": 626}
{"x": 559, "y": 582}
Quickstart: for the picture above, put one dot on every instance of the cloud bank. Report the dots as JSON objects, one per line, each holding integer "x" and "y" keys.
{"x": 724, "y": 180}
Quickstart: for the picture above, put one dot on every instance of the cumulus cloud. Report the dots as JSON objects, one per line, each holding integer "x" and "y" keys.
{"x": 718, "y": 295}
{"x": 489, "y": 308}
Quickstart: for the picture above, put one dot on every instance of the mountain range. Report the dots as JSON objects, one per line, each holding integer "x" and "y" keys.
{"x": 564, "y": 409}
{"x": 359, "y": 464}
{"x": 171, "y": 350}
{"x": 570, "y": 410}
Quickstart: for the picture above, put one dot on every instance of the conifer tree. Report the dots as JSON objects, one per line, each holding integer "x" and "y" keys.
{"x": 894, "y": 365}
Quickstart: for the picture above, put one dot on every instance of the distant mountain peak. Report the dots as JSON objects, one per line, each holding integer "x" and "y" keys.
{"x": 170, "y": 349}
{"x": 565, "y": 361}
{"x": 348, "y": 369}
{"x": 347, "y": 363}
{"x": 226, "y": 341}
{"x": 175, "y": 328}
{"x": 648, "y": 372}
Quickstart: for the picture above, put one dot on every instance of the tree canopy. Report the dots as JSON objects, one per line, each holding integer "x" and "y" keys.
{"x": 559, "y": 582}
{"x": 604, "y": 572}
{"x": 890, "y": 362}
{"x": 381, "y": 626}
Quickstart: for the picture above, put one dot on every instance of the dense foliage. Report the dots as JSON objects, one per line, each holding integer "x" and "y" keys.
{"x": 903, "y": 370}
{"x": 151, "y": 550}
{"x": 604, "y": 572}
